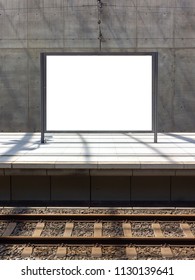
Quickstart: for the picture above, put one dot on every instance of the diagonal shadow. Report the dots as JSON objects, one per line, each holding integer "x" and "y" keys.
{"x": 181, "y": 137}
{"x": 87, "y": 152}
{"x": 156, "y": 150}
{"x": 18, "y": 146}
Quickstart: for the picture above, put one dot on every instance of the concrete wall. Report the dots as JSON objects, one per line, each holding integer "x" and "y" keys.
{"x": 28, "y": 27}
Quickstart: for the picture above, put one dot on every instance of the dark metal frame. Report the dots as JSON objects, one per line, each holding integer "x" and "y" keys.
{"x": 43, "y": 67}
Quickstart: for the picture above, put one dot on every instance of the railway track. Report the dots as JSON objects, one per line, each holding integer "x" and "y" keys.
{"x": 97, "y": 240}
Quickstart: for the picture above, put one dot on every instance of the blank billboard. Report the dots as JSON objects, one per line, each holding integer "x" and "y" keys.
{"x": 98, "y": 92}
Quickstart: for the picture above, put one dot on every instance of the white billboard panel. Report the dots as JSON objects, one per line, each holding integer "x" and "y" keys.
{"x": 99, "y": 92}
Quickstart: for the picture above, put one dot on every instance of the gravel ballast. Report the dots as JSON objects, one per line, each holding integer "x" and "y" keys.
{"x": 87, "y": 229}
{"x": 171, "y": 230}
{"x": 148, "y": 253}
{"x": 83, "y": 229}
{"x": 24, "y": 229}
{"x": 3, "y": 226}
{"x": 142, "y": 230}
{"x": 112, "y": 229}
{"x": 11, "y": 252}
{"x": 88, "y": 210}
{"x": 53, "y": 229}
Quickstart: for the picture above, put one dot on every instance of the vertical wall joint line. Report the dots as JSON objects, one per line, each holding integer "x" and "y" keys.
{"x": 100, "y": 37}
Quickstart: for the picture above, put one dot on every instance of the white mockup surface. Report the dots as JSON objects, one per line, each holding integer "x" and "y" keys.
{"x": 99, "y": 93}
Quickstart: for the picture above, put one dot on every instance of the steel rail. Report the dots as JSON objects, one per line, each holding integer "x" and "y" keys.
{"x": 178, "y": 241}
{"x": 98, "y": 217}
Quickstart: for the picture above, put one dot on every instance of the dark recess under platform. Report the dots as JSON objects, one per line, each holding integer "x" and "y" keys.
{"x": 87, "y": 190}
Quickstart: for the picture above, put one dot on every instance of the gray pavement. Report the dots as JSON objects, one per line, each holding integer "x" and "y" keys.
{"x": 98, "y": 151}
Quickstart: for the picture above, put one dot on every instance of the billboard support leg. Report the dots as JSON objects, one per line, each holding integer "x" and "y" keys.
{"x": 155, "y": 75}
{"x": 43, "y": 94}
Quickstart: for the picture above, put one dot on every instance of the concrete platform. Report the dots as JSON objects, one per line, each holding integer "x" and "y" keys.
{"x": 97, "y": 168}
{"x": 97, "y": 151}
